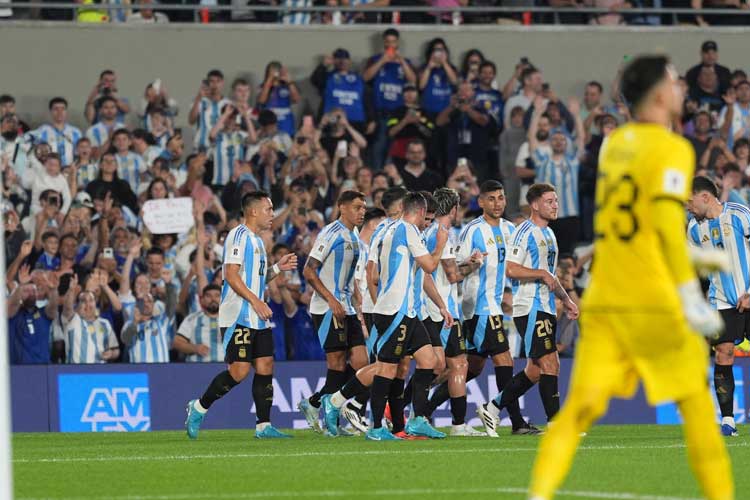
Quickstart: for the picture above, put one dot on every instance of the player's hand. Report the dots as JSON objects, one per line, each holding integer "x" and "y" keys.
{"x": 702, "y": 318}
{"x": 447, "y": 317}
{"x": 571, "y": 310}
{"x": 337, "y": 309}
{"x": 288, "y": 262}
{"x": 551, "y": 281}
{"x": 261, "y": 309}
{"x": 442, "y": 236}
{"x": 707, "y": 261}
{"x": 744, "y": 303}
{"x": 202, "y": 350}
{"x": 477, "y": 257}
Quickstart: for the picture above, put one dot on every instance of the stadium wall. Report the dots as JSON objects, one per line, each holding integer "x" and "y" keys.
{"x": 44, "y": 59}
{"x": 85, "y": 398}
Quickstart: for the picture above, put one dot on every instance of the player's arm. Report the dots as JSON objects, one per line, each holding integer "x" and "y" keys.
{"x": 232, "y": 276}
{"x": 426, "y": 260}
{"x": 373, "y": 278}
{"x": 310, "y": 272}
{"x": 432, "y": 292}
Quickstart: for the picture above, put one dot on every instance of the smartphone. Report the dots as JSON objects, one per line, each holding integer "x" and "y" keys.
{"x": 157, "y": 85}
{"x": 390, "y": 51}
{"x": 524, "y": 60}
{"x": 239, "y": 119}
{"x": 341, "y": 148}
{"x": 108, "y": 253}
{"x": 463, "y": 162}
{"x": 141, "y": 305}
{"x": 545, "y": 87}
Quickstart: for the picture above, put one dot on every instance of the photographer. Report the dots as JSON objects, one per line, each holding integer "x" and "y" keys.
{"x": 336, "y": 133}
{"x": 278, "y": 94}
{"x": 105, "y": 87}
{"x": 229, "y": 143}
{"x": 437, "y": 79}
{"x": 409, "y": 123}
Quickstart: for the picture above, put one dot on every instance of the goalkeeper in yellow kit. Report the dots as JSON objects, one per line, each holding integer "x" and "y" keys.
{"x": 644, "y": 313}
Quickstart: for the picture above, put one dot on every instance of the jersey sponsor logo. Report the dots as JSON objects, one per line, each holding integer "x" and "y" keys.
{"x": 489, "y": 241}
{"x": 705, "y": 239}
{"x": 321, "y": 248}
{"x": 236, "y": 252}
{"x": 96, "y": 403}
{"x": 257, "y": 250}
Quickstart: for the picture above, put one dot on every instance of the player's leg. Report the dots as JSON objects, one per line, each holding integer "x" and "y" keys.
{"x": 503, "y": 363}
{"x": 707, "y": 453}
{"x": 420, "y": 346}
{"x": 354, "y": 388}
{"x": 724, "y": 386}
{"x": 397, "y": 398}
{"x": 358, "y": 359}
{"x": 262, "y": 354}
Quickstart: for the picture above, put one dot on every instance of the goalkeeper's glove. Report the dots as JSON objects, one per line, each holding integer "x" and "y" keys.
{"x": 707, "y": 261}
{"x": 703, "y": 318}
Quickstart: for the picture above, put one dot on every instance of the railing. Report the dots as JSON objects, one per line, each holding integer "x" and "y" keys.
{"x": 640, "y": 15}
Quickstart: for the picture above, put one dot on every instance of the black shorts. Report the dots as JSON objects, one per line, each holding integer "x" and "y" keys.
{"x": 434, "y": 328}
{"x": 394, "y": 336}
{"x": 736, "y": 327}
{"x": 337, "y": 336}
{"x": 538, "y": 333}
{"x": 419, "y": 339}
{"x": 451, "y": 340}
{"x": 486, "y": 335}
{"x": 246, "y": 344}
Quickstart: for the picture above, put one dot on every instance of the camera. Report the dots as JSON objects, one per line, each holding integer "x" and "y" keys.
{"x": 524, "y": 60}
{"x": 108, "y": 253}
{"x": 334, "y": 119}
{"x": 107, "y": 91}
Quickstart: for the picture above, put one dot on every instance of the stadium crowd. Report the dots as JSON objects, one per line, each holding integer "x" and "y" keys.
{"x": 82, "y": 261}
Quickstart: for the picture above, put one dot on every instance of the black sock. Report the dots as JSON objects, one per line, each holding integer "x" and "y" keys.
{"x": 409, "y": 390}
{"x": 440, "y": 395}
{"x": 458, "y": 410}
{"x": 381, "y": 386}
{"x": 334, "y": 380}
{"x": 550, "y": 395}
{"x": 219, "y": 386}
{"x": 517, "y": 387}
{"x": 503, "y": 376}
{"x": 349, "y": 372}
{"x": 263, "y": 397}
{"x": 397, "y": 403}
{"x": 724, "y": 386}
{"x": 421, "y": 381}
{"x": 353, "y": 388}
{"x": 362, "y": 399}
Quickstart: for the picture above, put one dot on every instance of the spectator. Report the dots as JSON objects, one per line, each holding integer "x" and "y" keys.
{"x": 492, "y": 100}
{"x": 589, "y": 173}
{"x": 130, "y": 166}
{"x": 269, "y": 130}
{"x": 207, "y": 106}
{"x": 387, "y": 72}
{"x": 8, "y": 107}
{"x": 734, "y": 120}
{"x": 61, "y": 136}
{"x": 741, "y": 153}
{"x": 716, "y": 155}
{"x": 341, "y": 88}
{"x": 336, "y": 133}
{"x": 49, "y": 216}
{"x": 48, "y": 177}
{"x": 198, "y": 337}
{"x": 14, "y": 147}
{"x": 145, "y": 146}
{"x": 511, "y": 141}
{"x": 107, "y": 123}
{"x": 87, "y": 169}
{"x": 109, "y": 182}
{"x": 701, "y": 136}
{"x": 160, "y": 126}
{"x": 229, "y": 143}
{"x": 147, "y": 15}
{"x": 50, "y": 244}
{"x": 157, "y": 99}
{"x": 531, "y": 86}
{"x": 437, "y": 78}
{"x": 147, "y": 335}
{"x": 731, "y": 185}
{"x": 30, "y": 323}
{"x": 88, "y": 338}
{"x": 709, "y": 58}
{"x": 593, "y": 107}
{"x": 278, "y": 94}
{"x": 104, "y": 90}
{"x": 70, "y": 260}
{"x": 415, "y": 174}
{"x": 707, "y": 90}
{"x": 408, "y": 123}
{"x": 560, "y": 119}
{"x": 470, "y": 67}
{"x": 469, "y": 127}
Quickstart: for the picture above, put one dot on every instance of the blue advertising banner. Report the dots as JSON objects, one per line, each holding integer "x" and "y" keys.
{"x": 93, "y": 398}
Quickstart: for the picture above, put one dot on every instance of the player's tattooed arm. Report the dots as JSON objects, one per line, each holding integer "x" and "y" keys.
{"x": 310, "y": 272}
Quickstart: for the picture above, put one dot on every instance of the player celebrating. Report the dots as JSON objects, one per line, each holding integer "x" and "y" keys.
{"x": 330, "y": 272}
{"x": 531, "y": 266}
{"x": 634, "y": 329}
{"x": 243, "y": 317}
{"x": 724, "y": 226}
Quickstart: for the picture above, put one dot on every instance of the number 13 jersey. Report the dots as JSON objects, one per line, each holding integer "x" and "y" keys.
{"x": 641, "y": 166}
{"x": 245, "y": 248}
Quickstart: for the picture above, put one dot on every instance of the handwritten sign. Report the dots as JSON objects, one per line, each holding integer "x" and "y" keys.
{"x": 169, "y": 216}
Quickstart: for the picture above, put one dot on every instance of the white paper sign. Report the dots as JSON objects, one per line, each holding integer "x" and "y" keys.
{"x": 169, "y": 216}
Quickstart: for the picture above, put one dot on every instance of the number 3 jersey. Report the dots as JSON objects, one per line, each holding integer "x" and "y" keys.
{"x": 245, "y": 248}
{"x": 533, "y": 247}
{"x": 645, "y": 175}
{"x": 483, "y": 289}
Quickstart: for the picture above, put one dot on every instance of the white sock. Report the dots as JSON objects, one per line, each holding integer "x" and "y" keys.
{"x": 197, "y": 406}
{"x": 728, "y": 421}
{"x": 337, "y": 399}
{"x": 261, "y": 427}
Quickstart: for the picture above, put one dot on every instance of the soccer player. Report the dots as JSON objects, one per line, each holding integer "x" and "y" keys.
{"x": 243, "y": 317}
{"x": 644, "y": 308}
{"x": 724, "y": 226}
{"x": 532, "y": 266}
{"x": 330, "y": 272}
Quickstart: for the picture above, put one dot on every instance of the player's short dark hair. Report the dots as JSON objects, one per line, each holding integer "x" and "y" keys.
{"x": 392, "y": 196}
{"x": 431, "y": 205}
{"x": 215, "y": 72}
{"x": 732, "y": 167}
{"x": 252, "y": 197}
{"x": 391, "y": 32}
{"x": 373, "y": 213}
{"x": 594, "y": 83}
{"x": 121, "y": 131}
{"x": 209, "y": 287}
{"x": 490, "y": 186}
{"x": 49, "y": 234}
{"x": 106, "y": 72}
{"x": 350, "y": 196}
{"x": 446, "y": 200}
{"x": 538, "y": 190}
{"x": 155, "y": 251}
{"x": 107, "y": 98}
{"x": 68, "y": 236}
{"x": 145, "y": 136}
{"x": 490, "y": 64}
{"x": 7, "y": 98}
{"x": 640, "y": 76}
{"x": 702, "y": 183}
{"x": 527, "y": 73}
{"x": 57, "y": 100}
{"x": 414, "y": 201}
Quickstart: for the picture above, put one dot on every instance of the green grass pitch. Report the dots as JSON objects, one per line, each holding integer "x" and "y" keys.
{"x": 619, "y": 462}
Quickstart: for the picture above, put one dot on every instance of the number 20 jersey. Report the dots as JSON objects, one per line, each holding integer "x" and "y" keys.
{"x": 245, "y": 248}
{"x": 640, "y": 166}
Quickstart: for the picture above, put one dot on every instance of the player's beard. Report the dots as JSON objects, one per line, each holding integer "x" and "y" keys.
{"x": 212, "y": 308}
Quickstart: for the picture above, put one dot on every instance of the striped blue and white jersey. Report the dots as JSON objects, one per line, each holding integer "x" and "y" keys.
{"x": 130, "y": 168}
{"x": 245, "y": 248}
{"x": 151, "y": 344}
{"x": 360, "y": 274}
{"x": 99, "y": 133}
{"x": 483, "y": 289}
{"x": 533, "y": 247}
{"x": 395, "y": 252}
{"x": 86, "y": 341}
{"x": 87, "y": 173}
{"x": 337, "y": 249}
{"x": 729, "y": 231}
{"x": 62, "y": 142}
{"x": 200, "y": 328}
{"x": 420, "y": 297}
{"x": 151, "y": 154}
{"x": 448, "y": 291}
{"x": 208, "y": 114}
{"x": 563, "y": 175}
{"x": 297, "y": 17}
{"x": 229, "y": 146}
{"x": 128, "y": 306}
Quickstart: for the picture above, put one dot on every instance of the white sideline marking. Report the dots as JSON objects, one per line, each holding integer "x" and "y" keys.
{"x": 375, "y": 493}
{"x": 391, "y": 451}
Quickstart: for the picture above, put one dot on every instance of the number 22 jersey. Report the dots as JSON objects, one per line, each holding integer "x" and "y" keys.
{"x": 245, "y": 248}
